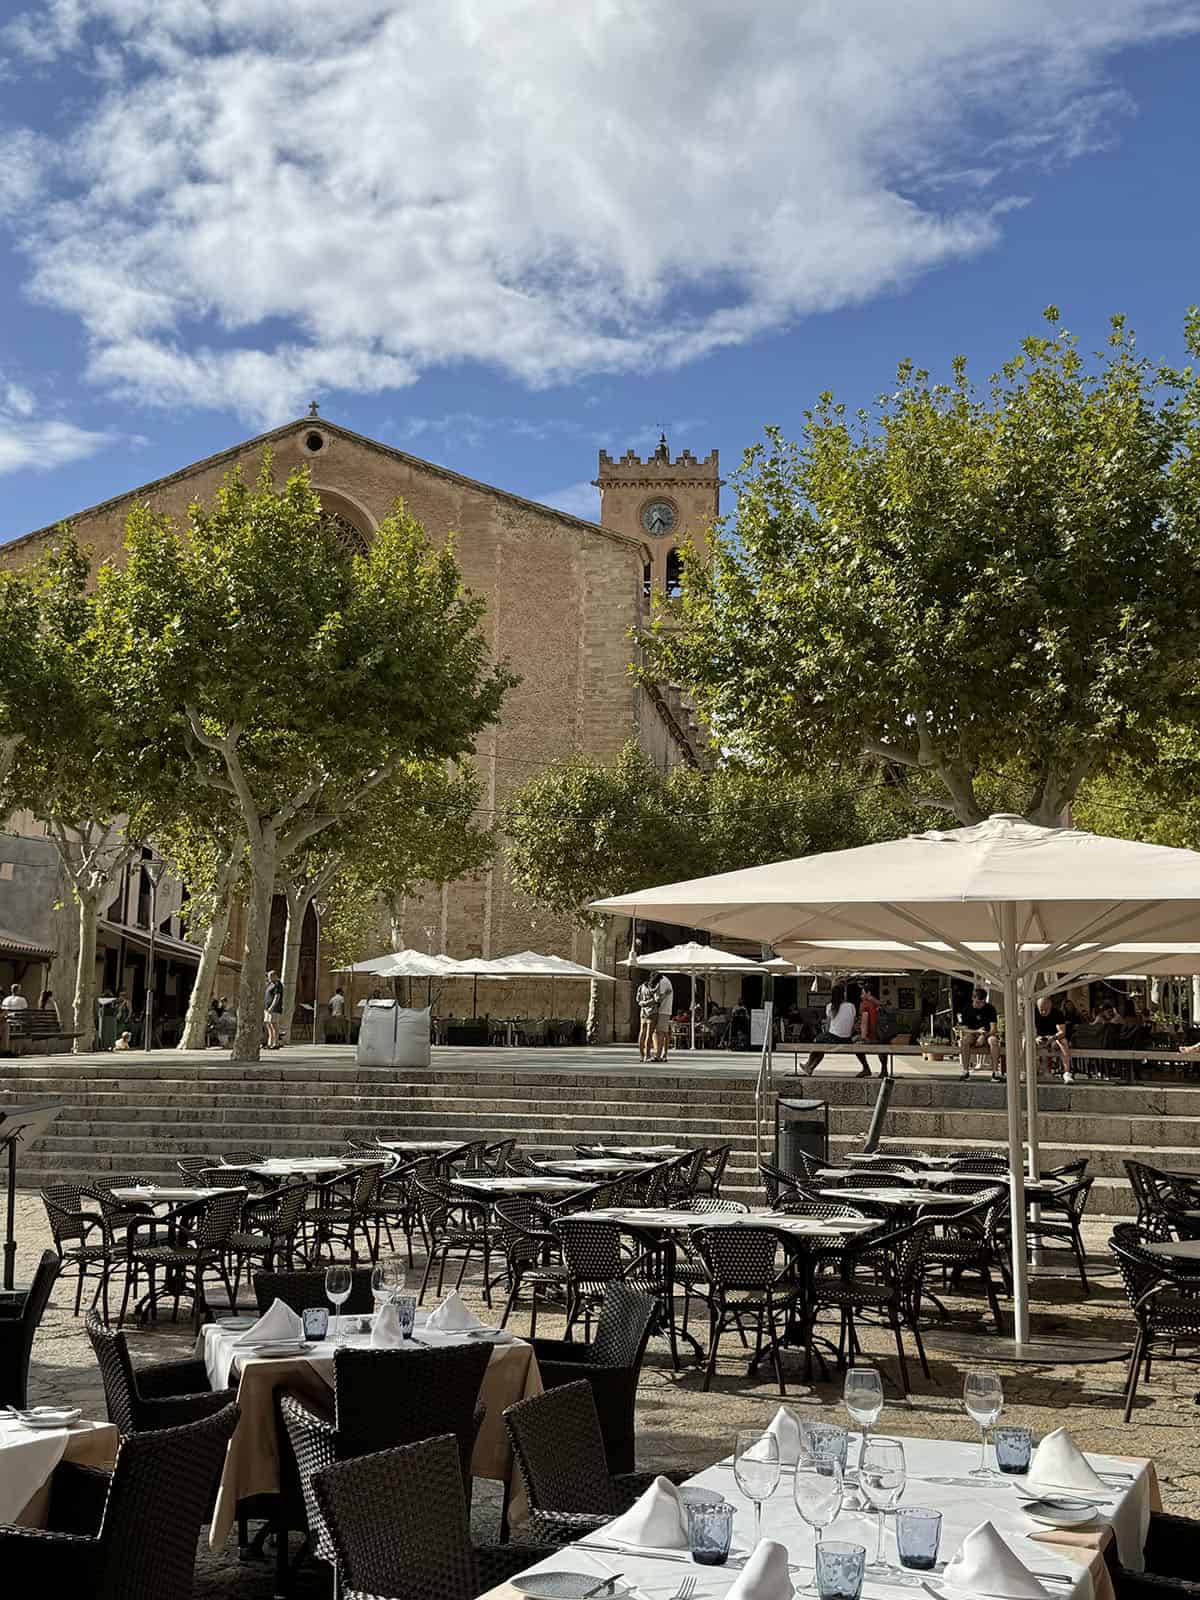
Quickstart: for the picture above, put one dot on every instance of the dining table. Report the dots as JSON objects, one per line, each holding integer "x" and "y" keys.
{"x": 649, "y": 1152}
{"x": 164, "y": 1194}
{"x": 500, "y": 1187}
{"x": 663, "y": 1228}
{"x": 596, "y": 1166}
{"x": 252, "y": 1460}
{"x": 421, "y": 1147}
{"x": 1070, "y": 1564}
{"x": 903, "y": 1198}
{"x": 28, "y": 1457}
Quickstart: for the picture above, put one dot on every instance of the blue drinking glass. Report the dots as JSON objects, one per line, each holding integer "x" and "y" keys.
{"x": 827, "y": 1444}
{"x": 918, "y": 1535}
{"x": 840, "y": 1569}
{"x": 710, "y": 1531}
{"x": 1014, "y": 1448}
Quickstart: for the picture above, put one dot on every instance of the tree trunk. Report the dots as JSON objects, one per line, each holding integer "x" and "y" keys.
{"x": 247, "y": 1044}
{"x": 599, "y": 1018}
{"x": 85, "y": 971}
{"x": 64, "y": 968}
{"x": 298, "y": 902}
{"x": 195, "y": 1028}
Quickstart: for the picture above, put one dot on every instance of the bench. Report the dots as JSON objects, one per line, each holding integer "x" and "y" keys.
{"x": 37, "y": 1031}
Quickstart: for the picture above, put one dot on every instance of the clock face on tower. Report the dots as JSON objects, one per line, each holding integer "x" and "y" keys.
{"x": 659, "y": 516}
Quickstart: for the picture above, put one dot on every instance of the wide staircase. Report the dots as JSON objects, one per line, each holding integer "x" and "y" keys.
{"x": 140, "y": 1116}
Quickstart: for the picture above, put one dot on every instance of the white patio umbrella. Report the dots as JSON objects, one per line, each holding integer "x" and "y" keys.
{"x": 403, "y": 964}
{"x": 531, "y": 964}
{"x": 1050, "y": 899}
{"x": 698, "y": 961}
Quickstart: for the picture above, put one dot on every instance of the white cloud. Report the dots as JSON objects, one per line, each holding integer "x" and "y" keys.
{"x": 555, "y": 190}
{"x": 39, "y": 443}
{"x": 577, "y": 500}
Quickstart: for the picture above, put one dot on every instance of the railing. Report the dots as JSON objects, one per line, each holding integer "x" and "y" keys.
{"x": 763, "y": 1083}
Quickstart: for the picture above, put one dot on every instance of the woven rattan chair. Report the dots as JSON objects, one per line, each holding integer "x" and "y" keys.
{"x": 197, "y": 1243}
{"x": 559, "y": 1449}
{"x": 17, "y": 1330}
{"x": 268, "y": 1230}
{"x": 227, "y": 1177}
{"x": 611, "y": 1364}
{"x": 83, "y": 1238}
{"x": 1170, "y": 1557}
{"x": 776, "y": 1183}
{"x": 594, "y": 1259}
{"x": 496, "y": 1155}
{"x": 683, "y": 1176}
{"x": 466, "y": 1157}
{"x": 398, "y": 1527}
{"x": 131, "y": 1534}
{"x": 712, "y": 1170}
{"x": 305, "y": 1290}
{"x": 971, "y": 1240}
{"x": 532, "y": 1254}
{"x": 881, "y": 1274}
{"x": 345, "y": 1224}
{"x": 454, "y": 1226}
{"x": 395, "y": 1204}
{"x": 383, "y": 1398}
{"x": 745, "y": 1278}
{"x": 1060, "y": 1216}
{"x": 164, "y": 1395}
{"x": 985, "y": 1166}
{"x": 190, "y": 1167}
{"x": 1163, "y": 1296}
{"x": 1168, "y": 1201}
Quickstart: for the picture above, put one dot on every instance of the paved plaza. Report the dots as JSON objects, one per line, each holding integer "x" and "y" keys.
{"x": 679, "y": 1426}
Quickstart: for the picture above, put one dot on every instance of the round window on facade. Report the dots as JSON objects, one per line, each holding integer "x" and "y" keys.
{"x": 314, "y": 442}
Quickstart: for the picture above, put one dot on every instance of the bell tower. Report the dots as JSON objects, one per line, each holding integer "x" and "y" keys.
{"x": 665, "y": 503}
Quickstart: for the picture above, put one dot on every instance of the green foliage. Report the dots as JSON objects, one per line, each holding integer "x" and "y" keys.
{"x": 991, "y": 590}
{"x": 581, "y": 831}
{"x": 1153, "y": 793}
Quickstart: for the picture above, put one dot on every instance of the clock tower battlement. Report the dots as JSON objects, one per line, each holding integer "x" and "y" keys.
{"x": 665, "y": 503}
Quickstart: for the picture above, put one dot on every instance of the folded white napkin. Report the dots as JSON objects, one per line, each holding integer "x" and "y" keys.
{"x": 785, "y": 1426}
{"x": 278, "y": 1322}
{"x": 985, "y": 1565}
{"x": 656, "y": 1521}
{"x": 1059, "y": 1463}
{"x": 385, "y": 1329}
{"x": 765, "y": 1575}
{"x": 452, "y": 1316}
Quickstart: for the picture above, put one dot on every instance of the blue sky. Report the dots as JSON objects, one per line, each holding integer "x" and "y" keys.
{"x": 504, "y": 236}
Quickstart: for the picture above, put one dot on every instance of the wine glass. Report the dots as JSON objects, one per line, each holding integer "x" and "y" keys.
{"x": 818, "y": 1497}
{"x": 862, "y": 1395}
{"x": 337, "y": 1292}
{"x": 882, "y": 1475}
{"x": 756, "y": 1466}
{"x": 983, "y": 1399}
{"x": 387, "y": 1280}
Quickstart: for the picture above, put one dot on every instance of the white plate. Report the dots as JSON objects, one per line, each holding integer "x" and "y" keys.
{"x": 50, "y": 1417}
{"x": 1061, "y": 1512}
{"x": 564, "y": 1586}
{"x": 271, "y": 1352}
{"x": 236, "y": 1324}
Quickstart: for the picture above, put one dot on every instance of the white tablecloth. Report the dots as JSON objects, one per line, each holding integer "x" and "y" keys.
{"x": 938, "y": 1476}
{"x": 27, "y": 1458}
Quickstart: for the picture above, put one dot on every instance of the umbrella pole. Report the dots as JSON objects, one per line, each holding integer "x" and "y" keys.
{"x": 1013, "y": 1041}
{"x": 1032, "y": 1113}
{"x": 692, "y": 1009}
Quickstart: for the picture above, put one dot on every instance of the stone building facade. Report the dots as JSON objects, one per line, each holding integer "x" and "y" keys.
{"x": 564, "y": 599}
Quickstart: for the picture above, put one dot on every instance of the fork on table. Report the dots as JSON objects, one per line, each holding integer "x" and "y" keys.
{"x": 686, "y": 1589}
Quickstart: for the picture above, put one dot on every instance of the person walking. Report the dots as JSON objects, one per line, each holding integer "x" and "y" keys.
{"x": 664, "y": 992}
{"x": 647, "y": 1004}
{"x": 841, "y": 1018}
{"x": 335, "y": 1027}
{"x": 868, "y": 1024}
{"x": 273, "y": 1009}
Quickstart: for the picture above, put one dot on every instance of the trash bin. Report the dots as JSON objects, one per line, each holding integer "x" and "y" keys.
{"x": 801, "y": 1128}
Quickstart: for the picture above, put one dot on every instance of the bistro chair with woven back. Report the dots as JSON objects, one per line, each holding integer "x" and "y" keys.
{"x": 197, "y": 1244}
{"x": 18, "y": 1325}
{"x": 349, "y": 1223}
{"x": 532, "y": 1255}
{"x": 398, "y": 1527}
{"x": 559, "y": 1449}
{"x": 83, "y": 1239}
{"x": 611, "y": 1364}
{"x": 162, "y": 1394}
{"x": 1164, "y": 1297}
{"x": 880, "y": 1275}
{"x": 382, "y": 1398}
{"x": 304, "y": 1290}
{"x": 971, "y": 1240}
{"x": 455, "y": 1225}
{"x": 129, "y": 1534}
{"x": 269, "y": 1231}
{"x": 746, "y": 1279}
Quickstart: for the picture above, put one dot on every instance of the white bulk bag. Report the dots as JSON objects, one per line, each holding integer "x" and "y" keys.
{"x": 392, "y": 1036}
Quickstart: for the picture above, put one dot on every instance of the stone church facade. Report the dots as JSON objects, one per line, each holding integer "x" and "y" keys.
{"x": 564, "y": 597}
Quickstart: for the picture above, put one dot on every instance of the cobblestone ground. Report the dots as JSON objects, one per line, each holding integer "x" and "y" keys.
{"x": 680, "y": 1426}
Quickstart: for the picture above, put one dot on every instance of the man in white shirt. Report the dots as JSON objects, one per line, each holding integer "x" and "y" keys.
{"x": 662, "y": 987}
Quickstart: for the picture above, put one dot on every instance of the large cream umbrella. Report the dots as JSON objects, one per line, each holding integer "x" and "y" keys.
{"x": 697, "y": 961}
{"x": 1051, "y": 899}
{"x": 531, "y": 964}
{"x": 404, "y": 964}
